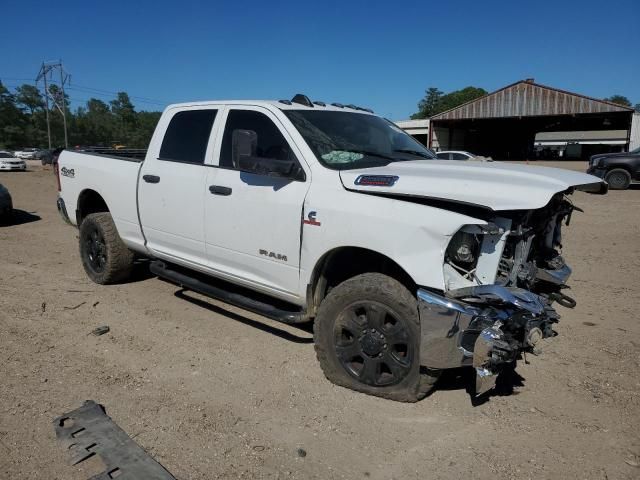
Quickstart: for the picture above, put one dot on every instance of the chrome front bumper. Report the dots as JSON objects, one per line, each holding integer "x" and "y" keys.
{"x": 486, "y": 330}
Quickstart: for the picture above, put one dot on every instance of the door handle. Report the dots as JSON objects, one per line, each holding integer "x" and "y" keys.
{"x": 220, "y": 190}
{"x": 151, "y": 178}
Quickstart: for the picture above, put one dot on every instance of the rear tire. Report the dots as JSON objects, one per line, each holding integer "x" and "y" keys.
{"x": 367, "y": 338}
{"x": 105, "y": 257}
{"x": 618, "y": 179}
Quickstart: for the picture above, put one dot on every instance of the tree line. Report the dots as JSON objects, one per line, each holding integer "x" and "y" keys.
{"x": 436, "y": 101}
{"x": 97, "y": 123}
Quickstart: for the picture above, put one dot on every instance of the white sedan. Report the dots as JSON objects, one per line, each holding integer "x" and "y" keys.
{"x": 26, "y": 153}
{"x": 9, "y": 162}
{"x": 459, "y": 155}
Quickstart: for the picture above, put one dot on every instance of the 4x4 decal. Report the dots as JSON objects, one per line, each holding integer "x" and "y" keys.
{"x": 67, "y": 172}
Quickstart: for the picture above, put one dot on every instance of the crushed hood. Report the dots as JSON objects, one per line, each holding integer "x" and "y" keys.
{"x": 498, "y": 186}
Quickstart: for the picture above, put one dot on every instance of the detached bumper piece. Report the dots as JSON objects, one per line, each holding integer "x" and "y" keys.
{"x": 485, "y": 327}
{"x": 89, "y": 431}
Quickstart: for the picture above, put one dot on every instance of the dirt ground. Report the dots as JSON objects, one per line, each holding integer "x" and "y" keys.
{"x": 212, "y": 391}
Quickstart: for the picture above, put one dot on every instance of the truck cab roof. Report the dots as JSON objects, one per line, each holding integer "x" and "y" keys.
{"x": 279, "y": 104}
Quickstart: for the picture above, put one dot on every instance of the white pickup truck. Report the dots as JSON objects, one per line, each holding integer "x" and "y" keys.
{"x": 303, "y": 211}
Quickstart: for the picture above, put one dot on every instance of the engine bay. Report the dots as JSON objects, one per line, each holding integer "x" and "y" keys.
{"x": 524, "y": 247}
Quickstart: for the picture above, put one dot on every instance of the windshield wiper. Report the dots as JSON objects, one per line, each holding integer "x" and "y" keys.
{"x": 415, "y": 152}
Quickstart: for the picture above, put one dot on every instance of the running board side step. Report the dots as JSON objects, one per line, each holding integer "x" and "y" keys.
{"x": 285, "y": 316}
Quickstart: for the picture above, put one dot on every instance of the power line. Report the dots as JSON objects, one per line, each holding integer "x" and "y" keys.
{"x": 85, "y": 89}
{"x": 104, "y": 93}
{"x": 26, "y": 79}
{"x": 98, "y": 90}
{"x": 86, "y": 99}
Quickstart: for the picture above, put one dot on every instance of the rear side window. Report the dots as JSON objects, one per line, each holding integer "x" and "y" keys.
{"x": 458, "y": 156}
{"x": 269, "y": 141}
{"x": 187, "y": 136}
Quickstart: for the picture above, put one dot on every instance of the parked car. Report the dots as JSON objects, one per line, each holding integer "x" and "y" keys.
{"x": 44, "y": 156}
{"x": 10, "y": 162}
{"x": 618, "y": 169}
{"x": 6, "y": 204}
{"x": 26, "y": 153}
{"x": 459, "y": 155}
{"x": 304, "y": 212}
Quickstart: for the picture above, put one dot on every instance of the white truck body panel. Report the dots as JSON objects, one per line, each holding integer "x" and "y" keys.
{"x": 498, "y": 186}
{"x": 249, "y": 232}
{"x": 414, "y": 236}
{"x": 116, "y": 181}
{"x": 296, "y": 222}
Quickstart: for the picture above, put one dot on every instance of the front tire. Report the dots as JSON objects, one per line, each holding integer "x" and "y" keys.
{"x": 367, "y": 338}
{"x": 105, "y": 257}
{"x": 618, "y": 179}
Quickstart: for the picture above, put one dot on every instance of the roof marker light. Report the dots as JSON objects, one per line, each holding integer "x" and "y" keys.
{"x": 302, "y": 100}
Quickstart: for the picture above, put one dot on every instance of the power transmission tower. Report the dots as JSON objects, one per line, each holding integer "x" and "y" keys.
{"x": 58, "y": 99}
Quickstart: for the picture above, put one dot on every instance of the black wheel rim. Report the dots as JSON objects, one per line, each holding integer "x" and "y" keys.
{"x": 617, "y": 180}
{"x": 95, "y": 249}
{"x": 373, "y": 344}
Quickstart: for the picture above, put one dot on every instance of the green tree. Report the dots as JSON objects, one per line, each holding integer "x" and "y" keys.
{"x": 458, "y": 97}
{"x": 23, "y": 120}
{"x": 29, "y": 97}
{"x": 436, "y": 102}
{"x": 125, "y": 116}
{"x": 145, "y": 125}
{"x": 12, "y": 121}
{"x": 94, "y": 124}
{"x": 428, "y": 105}
{"x": 619, "y": 99}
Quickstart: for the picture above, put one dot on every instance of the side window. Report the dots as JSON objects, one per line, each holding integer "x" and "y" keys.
{"x": 187, "y": 136}
{"x": 442, "y": 156}
{"x": 459, "y": 156}
{"x": 266, "y": 140}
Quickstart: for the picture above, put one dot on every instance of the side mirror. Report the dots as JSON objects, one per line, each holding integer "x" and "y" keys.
{"x": 244, "y": 145}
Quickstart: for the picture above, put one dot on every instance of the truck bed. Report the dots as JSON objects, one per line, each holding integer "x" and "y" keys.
{"x": 114, "y": 178}
{"x": 131, "y": 154}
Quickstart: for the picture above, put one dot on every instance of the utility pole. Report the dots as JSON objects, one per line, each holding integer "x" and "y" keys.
{"x": 46, "y": 99}
{"x": 63, "y": 79}
{"x": 60, "y": 103}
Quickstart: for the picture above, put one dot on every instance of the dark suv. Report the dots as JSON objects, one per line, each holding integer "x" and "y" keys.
{"x": 618, "y": 169}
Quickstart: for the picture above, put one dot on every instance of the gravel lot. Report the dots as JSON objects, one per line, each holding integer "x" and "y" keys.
{"x": 212, "y": 391}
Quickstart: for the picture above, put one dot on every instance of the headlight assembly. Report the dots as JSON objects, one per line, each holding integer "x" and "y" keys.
{"x": 463, "y": 249}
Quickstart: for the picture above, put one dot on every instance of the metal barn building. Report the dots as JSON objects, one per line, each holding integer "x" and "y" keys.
{"x": 527, "y": 120}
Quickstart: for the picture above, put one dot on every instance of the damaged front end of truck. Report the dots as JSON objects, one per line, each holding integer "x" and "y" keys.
{"x": 501, "y": 282}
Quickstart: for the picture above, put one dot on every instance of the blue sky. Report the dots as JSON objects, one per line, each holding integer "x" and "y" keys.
{"x": 371, "y": 53}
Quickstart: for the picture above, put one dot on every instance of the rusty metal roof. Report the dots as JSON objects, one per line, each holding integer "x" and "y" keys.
{"x": 525, "y": 99}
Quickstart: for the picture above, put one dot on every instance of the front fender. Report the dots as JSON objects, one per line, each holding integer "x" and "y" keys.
{"x": 414, "y": 236}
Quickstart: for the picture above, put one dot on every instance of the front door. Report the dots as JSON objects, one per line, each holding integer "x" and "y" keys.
{"x": 253, "y": 222}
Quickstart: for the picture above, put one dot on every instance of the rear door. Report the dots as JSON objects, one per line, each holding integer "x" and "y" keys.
{"x": 253, "y": 222}
{"x": 172, "y": 186}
